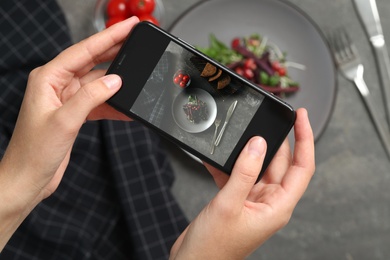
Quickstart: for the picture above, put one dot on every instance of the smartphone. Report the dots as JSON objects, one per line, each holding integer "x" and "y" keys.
{"x": 198, "y": 104}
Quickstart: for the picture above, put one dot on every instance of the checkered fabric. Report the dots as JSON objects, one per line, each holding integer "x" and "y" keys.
{"x": 114, "y": 201}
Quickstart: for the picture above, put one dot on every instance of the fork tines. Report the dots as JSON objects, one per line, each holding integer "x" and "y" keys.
{"x": 342, "y": 46}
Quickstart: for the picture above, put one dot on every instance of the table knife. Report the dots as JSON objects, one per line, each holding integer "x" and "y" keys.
{"x": 228, "y": 116}
{"x": 369, "y": 16}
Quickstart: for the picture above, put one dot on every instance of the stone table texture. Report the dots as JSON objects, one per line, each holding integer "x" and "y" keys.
{"x": 345, "y": 213}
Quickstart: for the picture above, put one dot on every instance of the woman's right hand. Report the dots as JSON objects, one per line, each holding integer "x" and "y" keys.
{"x": 244, "y": 214}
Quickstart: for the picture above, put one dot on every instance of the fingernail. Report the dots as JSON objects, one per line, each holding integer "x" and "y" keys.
{"x": 257, "y": 146}
{"x": 112, "y": 81}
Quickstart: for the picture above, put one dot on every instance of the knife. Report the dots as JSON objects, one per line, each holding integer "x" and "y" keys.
{"x": 228, "y": 116}
{"x": 369, "y": 16}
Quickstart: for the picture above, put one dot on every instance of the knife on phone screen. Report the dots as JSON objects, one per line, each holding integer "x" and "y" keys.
{"x": 369, "y": 16}
{"x": 228, "y": 116}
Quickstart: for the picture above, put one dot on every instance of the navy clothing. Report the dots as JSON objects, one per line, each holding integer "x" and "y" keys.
{"x": 114, "y": 201}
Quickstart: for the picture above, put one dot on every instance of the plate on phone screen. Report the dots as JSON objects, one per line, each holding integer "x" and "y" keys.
{"x": 286, "y": 26}
{"x": 180, "y": 116}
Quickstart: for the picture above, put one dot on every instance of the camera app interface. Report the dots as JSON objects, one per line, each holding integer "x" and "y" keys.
{"x": 197, "y": 103}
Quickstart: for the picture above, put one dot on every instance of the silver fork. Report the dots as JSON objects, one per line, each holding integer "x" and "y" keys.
{"x": 348, "y": 62}
{"x": 217, "y": 122}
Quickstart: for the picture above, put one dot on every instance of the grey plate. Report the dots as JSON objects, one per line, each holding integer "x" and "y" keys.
{"x": 286, "y": 26}
{"x": 180, "y": 117}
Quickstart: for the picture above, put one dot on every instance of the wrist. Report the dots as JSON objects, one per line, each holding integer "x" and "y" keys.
{"x": 16, "y": 200}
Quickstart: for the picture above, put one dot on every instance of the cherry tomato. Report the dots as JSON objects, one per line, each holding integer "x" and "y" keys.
{"x": 186, "y": 78}
{"x": 117, "y": 8}
{"x": 279, "y": 68}
{"x": 276, "y": 65}
{"x": 239, "y": 71}
{"x": 113, "y": 20}
{"x": 182, "y": 78}
{"x": 248, "y": 73}
{"x": 282, "y": 71}
{"x": 177, "y": 80}
{"x": 235, "y": 43}
{"x": 250, "y": 64}
{"x": 149, "y": 18}
{"x": 141, "y": 7}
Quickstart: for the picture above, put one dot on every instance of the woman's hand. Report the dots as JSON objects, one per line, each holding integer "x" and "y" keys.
{"x": 243, "y": 215}
{"x": 60, "y": 96}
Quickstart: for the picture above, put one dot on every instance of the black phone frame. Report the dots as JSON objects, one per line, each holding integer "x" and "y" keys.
{"x": 147, "y": 42}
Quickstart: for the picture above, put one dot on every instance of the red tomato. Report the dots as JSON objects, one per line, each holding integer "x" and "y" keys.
{"x": 250, "y": 64}
{"x": 149, "y": 18}
{"x": 276, "y": 65}
{"x": 239, "y": 71}
{"x": 279, "y": 68}
{"x": 186, "y": 78}
{"x": 282, "y": 71}
{"x": 117, "y": 8}
{"x": 235, "y": 43}
{"x": 248, "y": 73}
{"x": 176, "y": 80}
{"x": 141, "y": 7}
{"x": 113, "y": 20}
{"x": 183, "y": 84}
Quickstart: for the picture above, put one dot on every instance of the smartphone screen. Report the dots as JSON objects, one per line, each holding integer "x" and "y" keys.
{"x": 190, "y": 99}
{"x": 181, "y": 98}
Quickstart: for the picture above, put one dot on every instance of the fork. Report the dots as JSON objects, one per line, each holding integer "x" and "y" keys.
{"x": 348, "y": 61}
{"x": 217, "y": 122}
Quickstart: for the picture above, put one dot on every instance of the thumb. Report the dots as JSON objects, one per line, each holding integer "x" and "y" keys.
{"x": 245, "y": 171}
{"x": 88, "y": 97}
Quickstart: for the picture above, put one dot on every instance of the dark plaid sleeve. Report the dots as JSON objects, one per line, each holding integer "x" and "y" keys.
{"x": 114, "y": 201}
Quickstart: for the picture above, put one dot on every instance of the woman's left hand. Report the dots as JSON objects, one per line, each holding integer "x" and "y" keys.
{"x": 60, "y": 96}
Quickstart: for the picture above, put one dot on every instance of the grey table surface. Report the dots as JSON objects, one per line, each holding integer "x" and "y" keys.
{"x": 345, "y": 213}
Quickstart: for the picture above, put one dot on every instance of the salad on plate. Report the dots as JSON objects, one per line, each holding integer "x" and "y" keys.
{"x": 256, "y": 59}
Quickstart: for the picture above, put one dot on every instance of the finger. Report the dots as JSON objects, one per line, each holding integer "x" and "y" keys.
{"x": 109, "y": 55}
{"x": 279, "y": 165}
{"x": 82, "y": 56}
{"x": 71, "y": 89}
{"x": 105, "y": 111}
{"x": 245, "y": 172}
{"x": 91, "y": 76}
{"x": 88, "y": 97}
{"x": 219, "y": 177}
{"x": 302, "y": 169}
